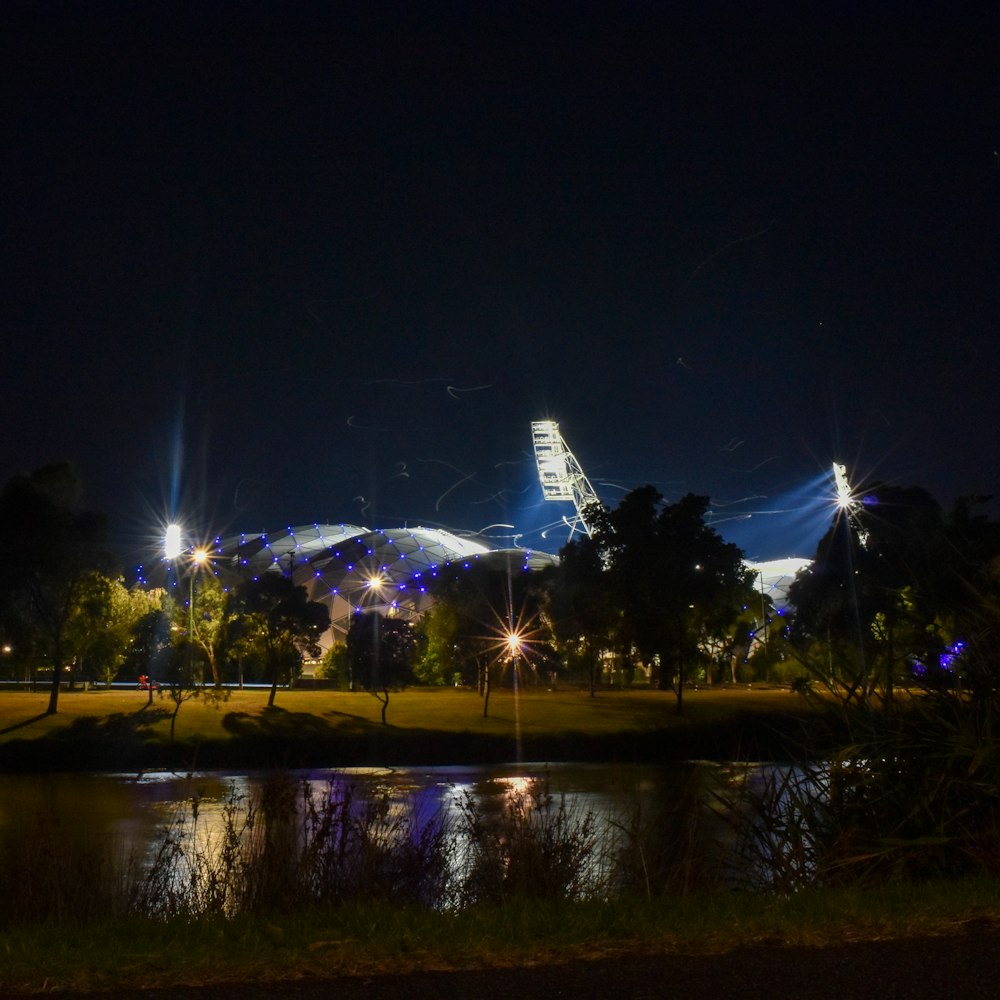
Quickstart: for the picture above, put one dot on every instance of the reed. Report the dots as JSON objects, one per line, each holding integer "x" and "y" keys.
{"x": 909, "y": 793}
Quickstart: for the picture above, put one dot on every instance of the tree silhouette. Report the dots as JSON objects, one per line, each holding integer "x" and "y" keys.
{"x": 586, "y": 617}
{"x": 918, "y": 583}
{"x": 51, "y": 553}
{"x": 381, "y": 652}
{"x": 674, "y": 578}
{"x": 276, "y": 620}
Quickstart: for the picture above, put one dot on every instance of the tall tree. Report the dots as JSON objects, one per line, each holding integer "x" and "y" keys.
{"x": 677, "y": 581}
{"x": 582, "y": 607}
{"x": 152, "y": 651}
{"x": 874, "y": 597}
{"x": 86, "y": 627}
{"x": 206, "y": 619}
{"x": 491, "y": 603}
{"x": 439, "y": 659}
{"x": 276, "y": 619}
{"x": 381, "y": 651}
{"x": 105, "y": 642}
{"x": 51, "y": 551}
{"x": 969, "y": 599}
{"x": 917, "y": 584}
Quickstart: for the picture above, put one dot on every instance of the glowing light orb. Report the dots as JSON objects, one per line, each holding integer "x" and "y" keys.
{"x": 172, "y": 541}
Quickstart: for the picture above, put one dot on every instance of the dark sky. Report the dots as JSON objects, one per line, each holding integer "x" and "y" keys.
{"x": 275, "y": 263}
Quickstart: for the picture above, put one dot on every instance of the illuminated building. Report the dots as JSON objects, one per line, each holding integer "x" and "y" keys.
{"x": 349, "y": 567}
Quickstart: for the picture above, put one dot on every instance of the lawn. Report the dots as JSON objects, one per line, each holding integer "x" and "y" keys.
{"x": 442, "y": 724}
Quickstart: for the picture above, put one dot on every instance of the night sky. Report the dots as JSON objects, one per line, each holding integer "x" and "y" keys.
{"x": 268, "y": 264}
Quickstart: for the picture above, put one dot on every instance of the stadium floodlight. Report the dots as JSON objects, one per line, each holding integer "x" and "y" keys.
{"x": 844, "y": 498}
{"x": 848, "y": 502}
{"x": 560, "y": 474}
{"x": 172, "y": 542}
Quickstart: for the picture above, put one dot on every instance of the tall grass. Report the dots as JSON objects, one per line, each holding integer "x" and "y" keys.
{"x": 668, "y": 846}
{"x": 534, "y": 849}
{"x": 910, "y": 793}
{"x": 51, "y": 873}
{"x": 291, "y": 846}
{"x": 287, "y": 847}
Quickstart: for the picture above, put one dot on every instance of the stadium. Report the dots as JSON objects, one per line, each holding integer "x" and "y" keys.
{"x": 352, "y": 568}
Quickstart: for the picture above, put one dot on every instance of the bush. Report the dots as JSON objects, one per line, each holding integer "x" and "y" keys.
{"x": 534, "y": 848}
{"x": 335, "y": 667}
{"x": 908, "y": 794}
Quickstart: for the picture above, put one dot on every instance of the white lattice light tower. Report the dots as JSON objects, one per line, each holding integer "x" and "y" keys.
{"x": 848, "y": 502}
{"x": 560, "y": 474}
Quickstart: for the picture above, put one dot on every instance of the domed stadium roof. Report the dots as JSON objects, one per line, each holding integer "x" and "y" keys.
{"x": 776, "y": 575}
{"x": 349, "y": 567}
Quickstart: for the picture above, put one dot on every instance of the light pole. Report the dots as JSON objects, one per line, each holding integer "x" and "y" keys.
{"x": 198, "y": 558}
{"x": 172, "y": 547}
{"x": 848, "y": 504}
{"x": 847, "y": 501}
{"x": 514, "y": 649}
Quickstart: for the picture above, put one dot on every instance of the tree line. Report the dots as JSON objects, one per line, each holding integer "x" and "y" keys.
{"x": 64, "y": 607}
{"x": 899, "y": 592}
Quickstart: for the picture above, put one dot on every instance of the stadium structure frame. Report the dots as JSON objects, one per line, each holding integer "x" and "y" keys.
{"x": 561, "y": 476}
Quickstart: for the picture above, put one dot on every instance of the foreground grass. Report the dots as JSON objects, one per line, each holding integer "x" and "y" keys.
{"x": 367, "y": 939}
{"x": 445, "y": 725}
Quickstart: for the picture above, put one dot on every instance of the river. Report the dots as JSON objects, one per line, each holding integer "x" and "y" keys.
{"x": 677, "y": 810}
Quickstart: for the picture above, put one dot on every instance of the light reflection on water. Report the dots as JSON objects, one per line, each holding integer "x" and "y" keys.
{"x": 133, "y": 811}
{"x": 132, "y": 804}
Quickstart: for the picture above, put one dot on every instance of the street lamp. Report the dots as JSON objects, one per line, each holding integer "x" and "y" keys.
{"x": 198, "y": 558}
{"x": 514, "y": 649}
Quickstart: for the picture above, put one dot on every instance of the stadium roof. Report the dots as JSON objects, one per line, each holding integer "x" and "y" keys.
{"x": 350, "y": 567}
{"x": 776, "y": 575}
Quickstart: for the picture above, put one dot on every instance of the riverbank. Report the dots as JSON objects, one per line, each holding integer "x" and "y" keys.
{"x": 116, "y": 729}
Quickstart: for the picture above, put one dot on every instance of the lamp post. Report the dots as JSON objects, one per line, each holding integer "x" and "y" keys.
{"x": 198, "y": 558}
{"x": 514, "y": 649}
{"x": 172, "y": 547}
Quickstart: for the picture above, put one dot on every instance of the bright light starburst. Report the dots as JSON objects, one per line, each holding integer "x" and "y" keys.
{"x": 514, "y": 641}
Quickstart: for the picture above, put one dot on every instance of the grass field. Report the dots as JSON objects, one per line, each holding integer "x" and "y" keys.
{"x": 444, "y": 724}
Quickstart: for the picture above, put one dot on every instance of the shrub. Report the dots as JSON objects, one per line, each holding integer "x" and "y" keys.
{"x": 532, "y": 848}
